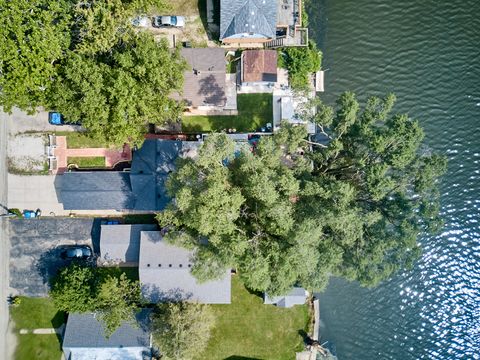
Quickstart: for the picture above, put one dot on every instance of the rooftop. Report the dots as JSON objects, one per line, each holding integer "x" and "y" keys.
{"x": 85, "y": 338}
{"x": 164, "y": 272}
{"x": 259, "y": 66}
{"x": 204, "y": 81}
{"x": 255, "y": 18}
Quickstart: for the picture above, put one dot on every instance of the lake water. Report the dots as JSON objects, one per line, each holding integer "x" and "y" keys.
{"x": 428, "y": 53}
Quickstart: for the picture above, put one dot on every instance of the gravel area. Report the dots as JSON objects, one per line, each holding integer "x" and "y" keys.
{"x": 26, "y": 153}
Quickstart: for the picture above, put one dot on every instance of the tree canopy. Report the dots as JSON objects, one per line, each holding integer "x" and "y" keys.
{"x": 34, "y": 36}
{"x": 181, "y": 330}
{"x": 84, "y": 59}
{"x": 112, "y": 295}
{"x": 300, "y": 63}
{"x": 295, "y": 211}
{"x": 116, "y": 94}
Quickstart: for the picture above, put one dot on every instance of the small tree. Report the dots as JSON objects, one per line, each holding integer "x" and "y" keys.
{"x": 83, "y": 289}
{"x": 181, "y": 330}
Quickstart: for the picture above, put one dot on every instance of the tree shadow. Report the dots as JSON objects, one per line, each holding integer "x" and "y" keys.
{"x": 306, "y": 339}
{"x": 255, "y": 292}
{"x": 210, "y": 89}
{"x": 237, "y": 357}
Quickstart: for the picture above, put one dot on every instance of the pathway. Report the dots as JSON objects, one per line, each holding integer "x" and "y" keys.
{"x": 112, "y": 156}
{"x": 47, "y": 331}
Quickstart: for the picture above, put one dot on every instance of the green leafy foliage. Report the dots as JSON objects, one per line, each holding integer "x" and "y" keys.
{"x": 181, "y": 330}
{"x": 300, "y": 62}
{"x": 295, "y": 211}
{"x": 34, "y": 36}
{"x": 85, "y": 289}
{"x": 117, "y": 94}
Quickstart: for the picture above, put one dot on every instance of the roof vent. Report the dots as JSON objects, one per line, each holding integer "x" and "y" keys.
{"x": 159, "y": 265}
{"x": 169, "y": 265}
{"x": 148, "y": 265}
{"x": 189, "y": 265}
{"x": 180, "y": 265}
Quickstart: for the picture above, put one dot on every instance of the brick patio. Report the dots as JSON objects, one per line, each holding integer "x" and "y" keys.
{"x": 112, "y": 156}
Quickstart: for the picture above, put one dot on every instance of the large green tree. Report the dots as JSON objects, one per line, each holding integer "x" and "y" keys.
{"x": 118, "y": 93}
{"x": 34, "y": 36}
{"x": 295, "y": 211}
{"x": 181, "y": 330}
{"x": 111, "y": 295}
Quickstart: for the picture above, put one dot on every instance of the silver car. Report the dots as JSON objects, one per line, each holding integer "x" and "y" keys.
{"x": 169, "y": 21}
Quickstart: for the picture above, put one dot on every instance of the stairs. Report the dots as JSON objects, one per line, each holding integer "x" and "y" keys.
{"x": 275, "y": 43}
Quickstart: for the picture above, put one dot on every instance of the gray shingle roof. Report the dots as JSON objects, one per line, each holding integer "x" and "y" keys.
{"x": 297, "y": 296}
{"x": 96, "y": 190}
{"x": 86, "y": 332}
{"x": 204, "y": 81}
{"x": 121, "y": 243}
{"x": 164, "y": 271}
{"x": 248, "y": 16}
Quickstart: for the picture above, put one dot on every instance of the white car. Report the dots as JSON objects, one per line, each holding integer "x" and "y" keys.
{"x": 169, "y": 21}
{"x": 141, "y": 21}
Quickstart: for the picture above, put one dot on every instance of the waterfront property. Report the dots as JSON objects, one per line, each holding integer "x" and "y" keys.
{"x": 259, "y": 23}
{"x": 258, "y": 68}
{"x": 297, "y": 296}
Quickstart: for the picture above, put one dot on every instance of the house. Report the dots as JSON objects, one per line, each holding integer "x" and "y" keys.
{"x": 120, "y": 244}
{"x": 204, "y": 85}
{"x": 269, "y": 23}
{"x": 140, "y": 189}
{"x": 287, "y": 106}
{"x": 258, "y": 67}
{"x": 85, "y": 339}
{"x": 165, "y": 274}
{"x": 297, "y": 296}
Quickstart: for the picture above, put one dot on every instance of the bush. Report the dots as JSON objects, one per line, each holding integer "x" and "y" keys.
{"x": 300, "y": 63}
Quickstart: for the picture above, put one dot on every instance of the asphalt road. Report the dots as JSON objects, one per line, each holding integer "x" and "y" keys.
{"x": 4, "y": 242}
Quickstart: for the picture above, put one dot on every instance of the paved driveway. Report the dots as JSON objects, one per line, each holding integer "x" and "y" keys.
{"x": 35, "y": 192}
{"x": 20, "y": 122}
{"x": 33, "y": 255}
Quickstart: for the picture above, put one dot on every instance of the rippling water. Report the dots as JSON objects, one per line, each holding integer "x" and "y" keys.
{"x": 428, "y": 53}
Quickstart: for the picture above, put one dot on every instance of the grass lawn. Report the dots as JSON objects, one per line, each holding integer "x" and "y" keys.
{"x": 35, "y": 313}
{"x": 79, "y": 140}
{"x": 249, "y": 329}
{"x": 254, "y": 111}
{"x": 87, "y": 162}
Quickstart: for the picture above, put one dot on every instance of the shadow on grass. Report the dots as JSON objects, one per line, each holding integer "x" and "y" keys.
{"x": 235, "y": 357}
{"x": 255, "y": 292}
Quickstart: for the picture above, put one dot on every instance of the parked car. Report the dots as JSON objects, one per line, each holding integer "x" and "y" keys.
{"x": 76, "y": 252}
{"x": 55, "y": 118}
{"x": 169, "y": 21}
{"x": 141, "y": 21}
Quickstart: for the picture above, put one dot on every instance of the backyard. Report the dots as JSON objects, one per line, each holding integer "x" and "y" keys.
{"x": 249, "y": 329}
{"x": 36, "y": 313}
{"x": 79, "y": 140}
{"x": 254, "y": 112}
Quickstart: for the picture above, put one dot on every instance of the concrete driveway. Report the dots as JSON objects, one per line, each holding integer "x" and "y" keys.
{"x": 34, "y": 192}
{"x": 34, "y": 256}
{"x": 20, "y": 122}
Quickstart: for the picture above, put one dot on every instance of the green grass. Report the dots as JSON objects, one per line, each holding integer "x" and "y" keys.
{"x": 36, "y": 313}
{"x": 247, "y": 328}
{"x": 38, "y": 347}
{"x": 79, "y": 140}
{"x": 87, "y": 162}
{"x": 254, "y": 111}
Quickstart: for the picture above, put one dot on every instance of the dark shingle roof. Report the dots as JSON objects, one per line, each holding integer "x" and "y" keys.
{"x": 143, "y": 188}
{"x": 259, "y": 65}
{"x": 248, "y": 16}
{"x": 96, "y": 190}
{"x": 204, "y": 81}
